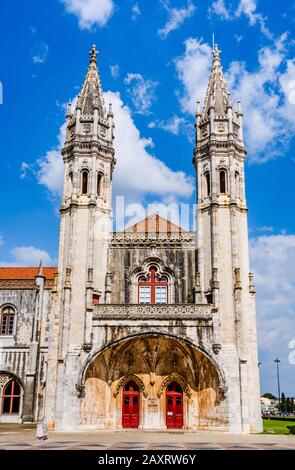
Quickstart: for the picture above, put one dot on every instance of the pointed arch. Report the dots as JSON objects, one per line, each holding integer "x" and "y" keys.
{"x": 130, "y": 378}
{"x": 174, "y": 377}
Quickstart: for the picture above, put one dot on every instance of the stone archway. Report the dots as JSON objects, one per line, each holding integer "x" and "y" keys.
{"x": 11, "y": 397}
{"x": 152, "y": 362}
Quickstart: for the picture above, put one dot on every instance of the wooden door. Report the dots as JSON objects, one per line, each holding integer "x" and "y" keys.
{"x": 174, "y": 406}
{"x": 130, "y": 405}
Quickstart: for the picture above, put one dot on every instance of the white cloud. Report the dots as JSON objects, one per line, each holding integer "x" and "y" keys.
{"x": 273, "y": 262}
{"x": 142, "y": 92}
{"x": 90, "y": 12}
{"x": 269, "y": 115}
{"x": 48, "y": 170}
{"x": 133, "y": 158}
{"x": 40, "y": 48}
{"x": 287, "y": 81}
{"x": 193, "y": 69}
{"x": 136, "y": 12}
{"x": 176, "y": 17}
{"x": 152, "y": 175}
{"x": 227, "y": 11}
{"x": 175, "y": 125}
{"x": 220, "y": 9}
{"x": 27, "y": 256}
{"x": 115, "y": 70}
{"x": 1, "y": 240}
{"x": 41, "y": 53}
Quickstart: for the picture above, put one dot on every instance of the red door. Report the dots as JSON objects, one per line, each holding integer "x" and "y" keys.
{"x": 174, "y": 406}
{"x": 130, "y": 406}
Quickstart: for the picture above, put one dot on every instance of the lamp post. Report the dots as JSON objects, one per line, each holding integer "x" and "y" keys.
{"x": 277, "y": 361}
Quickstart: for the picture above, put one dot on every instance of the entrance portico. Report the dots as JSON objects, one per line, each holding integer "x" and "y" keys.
{"x": 152, "y": 382}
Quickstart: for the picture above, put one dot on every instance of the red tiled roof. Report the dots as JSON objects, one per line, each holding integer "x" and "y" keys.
{"x": 154, "y": 223}
{"x": 26, "y": 273}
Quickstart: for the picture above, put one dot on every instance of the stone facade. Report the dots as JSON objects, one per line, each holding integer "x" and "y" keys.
{"x": 152, "y": 327}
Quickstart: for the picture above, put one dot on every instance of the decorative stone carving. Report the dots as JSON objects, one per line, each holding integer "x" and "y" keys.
{"x": 221, "y": 127}
{"x": 216, "y": 347}
{"x": 171, "y": 378}
{"x": 4, "y": 378}
{"x": 86, "y": 128}
{"x": 87, "y": 347}
{"x": 128, "y": 378}
{"x": 80, "y": 391}
{"x": 199, "y": 313}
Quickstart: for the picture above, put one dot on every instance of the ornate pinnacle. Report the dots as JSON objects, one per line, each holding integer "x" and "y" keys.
{"x": 216, "y": 54}
{"x": 93, "y": 54}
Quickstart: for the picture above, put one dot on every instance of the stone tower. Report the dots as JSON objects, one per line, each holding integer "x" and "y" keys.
{"x": 222, "y": 246}
{"x": 85, "y": 227}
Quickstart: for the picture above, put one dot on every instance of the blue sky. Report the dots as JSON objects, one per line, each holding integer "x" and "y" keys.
{"x": 154, "y": 63}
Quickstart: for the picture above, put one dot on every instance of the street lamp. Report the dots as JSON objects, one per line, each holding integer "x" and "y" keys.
{"x": 277, "y": 361}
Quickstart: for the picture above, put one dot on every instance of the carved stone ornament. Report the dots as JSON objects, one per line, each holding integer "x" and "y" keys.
{"x": 221, "y": 127}
{"x": 171, "y": 378}
{"x": 86, "y": 128}
{"x": 4, "y": 378}
{"x": 128, "y": 378}
{"x": 80, "y": 391}
{"x": 216, "y": 347}
{"x": 222, "y": 391}
{"x": 87, "y": 347}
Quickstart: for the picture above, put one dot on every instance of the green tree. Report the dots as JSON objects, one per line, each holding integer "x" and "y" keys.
{"x": 269, "y": 395}
{"x": 283, "y": 403}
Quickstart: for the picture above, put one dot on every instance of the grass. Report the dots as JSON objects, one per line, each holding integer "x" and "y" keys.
{"x": 276, "y": 426}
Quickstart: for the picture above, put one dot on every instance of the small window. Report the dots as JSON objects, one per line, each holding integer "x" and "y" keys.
{"x": 71, "y": 181}
{"x": 84, "y": 182}
{"x": 99, "y": 184}
{"x": 222, "y": 181}
{"x": 208, "y": 187}
{"x": 7, "y": 321}
{"x": 95, "y": 299}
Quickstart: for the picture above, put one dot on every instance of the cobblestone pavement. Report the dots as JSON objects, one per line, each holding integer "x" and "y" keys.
{"x": 22, "y": 437}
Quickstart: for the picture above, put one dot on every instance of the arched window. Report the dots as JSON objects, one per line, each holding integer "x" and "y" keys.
{"x": 84, "y": 182}
{"x": 237, "y": 183}
{"x": 153, "y": 287}
{"x": 7, "y": 320}
{"x": 11, "y": 397}
{"x": 208, "y": 186}
{"x": 222, "y": 181}
{"x": 70, "y": 181}
{"x": 99, "y": 184}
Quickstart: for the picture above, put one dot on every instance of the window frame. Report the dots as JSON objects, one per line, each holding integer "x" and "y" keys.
{"x": 152, "y": 280}
{"x": 207, "y": 183}
{"x": 223, "y": 182}
{"x": 11, "y": 397}
{"x": 99, "y": 184}
{"x": 9, "y": 318}
{"x": 84, "y": 172}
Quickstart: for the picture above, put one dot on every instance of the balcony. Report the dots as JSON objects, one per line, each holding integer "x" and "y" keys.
{"x": 201, "y": 314}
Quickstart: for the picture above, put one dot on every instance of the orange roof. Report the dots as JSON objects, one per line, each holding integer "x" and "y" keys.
{"x": 26, "y": 273}
{"x": 154, "y": 223}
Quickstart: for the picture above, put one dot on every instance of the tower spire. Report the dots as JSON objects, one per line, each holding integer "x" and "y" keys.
{"x": 91, "y": 96}
{"x": 218, "y": 95}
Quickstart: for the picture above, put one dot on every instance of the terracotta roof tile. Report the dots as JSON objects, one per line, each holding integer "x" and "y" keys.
{"x": 25, "y": 273}
{"x": 154, "y": 223}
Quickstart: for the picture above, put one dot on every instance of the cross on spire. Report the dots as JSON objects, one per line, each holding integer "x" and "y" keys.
{"x": 93, "y": 54}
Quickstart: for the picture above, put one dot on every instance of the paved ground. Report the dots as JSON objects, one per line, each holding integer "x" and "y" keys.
{"x": 22, "y": 437}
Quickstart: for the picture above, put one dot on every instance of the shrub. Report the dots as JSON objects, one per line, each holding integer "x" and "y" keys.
{"x": 291, "y": 429}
